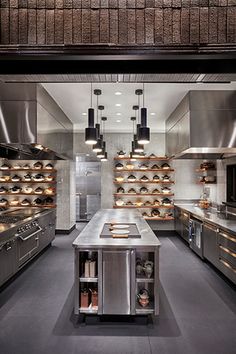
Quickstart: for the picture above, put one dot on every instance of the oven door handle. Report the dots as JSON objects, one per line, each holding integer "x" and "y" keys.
{"x": 31, "y": 235}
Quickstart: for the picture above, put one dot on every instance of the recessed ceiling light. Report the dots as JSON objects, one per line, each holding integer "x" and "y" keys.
{"x": 84, "y": 114}
{"x": 118, "y": 93}
{"x": 153, "y": 114}
{"x": 118, "y": 120}
{"x": 118, "y": 114}
{"x": 118, "y": 104}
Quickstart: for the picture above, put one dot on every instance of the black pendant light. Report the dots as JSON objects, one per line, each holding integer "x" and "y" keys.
{"x": 91, "y": 132}
{"x": 103, "y": 154}
{"x": 133, "y": 153}
{"x": 98, "y": 146}
{"x": 137, "y": 147}
{"x": 143, "y": 131}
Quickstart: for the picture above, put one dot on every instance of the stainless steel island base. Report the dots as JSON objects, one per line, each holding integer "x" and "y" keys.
{"x": 116, "y": 276}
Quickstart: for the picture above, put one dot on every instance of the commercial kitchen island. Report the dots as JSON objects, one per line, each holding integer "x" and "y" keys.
{"x": 116, "y": 276}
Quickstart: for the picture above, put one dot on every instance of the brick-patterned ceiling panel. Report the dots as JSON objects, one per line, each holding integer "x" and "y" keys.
{"x": 123, "y": 22}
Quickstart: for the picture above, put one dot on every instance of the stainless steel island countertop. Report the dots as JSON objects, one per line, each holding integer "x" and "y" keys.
{"x": 212, "y": 217}
{"x": 90, "y": 236}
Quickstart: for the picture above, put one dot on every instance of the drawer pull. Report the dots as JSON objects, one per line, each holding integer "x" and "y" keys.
{"x": 227, "y": 265}
{"x": 228, "y": 251}
{"x": 228, "y": 237}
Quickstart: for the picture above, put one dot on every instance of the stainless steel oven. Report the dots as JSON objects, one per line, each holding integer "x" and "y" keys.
{"x": 195, "y": 236}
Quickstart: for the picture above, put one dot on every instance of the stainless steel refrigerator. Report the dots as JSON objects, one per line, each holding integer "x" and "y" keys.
{"x": 88, "y": 189}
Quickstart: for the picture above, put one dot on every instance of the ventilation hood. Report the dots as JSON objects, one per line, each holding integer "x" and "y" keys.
{"x": 203, "y": 126}
{"x": 32, "y": 125}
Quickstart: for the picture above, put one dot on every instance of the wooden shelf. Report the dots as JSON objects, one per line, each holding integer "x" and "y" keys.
{"x": 147, "y": 170}
{"x": 32, "y": 206}
{"x": 144, "y": 207}
{"x": 38, "y": 194}
{"x": 14, "y": 182}
{"x": 206, "y": 182}
{"x": 143, "y": 194}
{"x": 29, "y": 170}
{"x": 167, "y": 218}
{"x": 148, "y": 182}
{"x": 205, "y": 169}
{"x": 160, "y": 158}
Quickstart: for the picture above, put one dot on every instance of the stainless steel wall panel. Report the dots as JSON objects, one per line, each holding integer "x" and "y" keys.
{"x": 18, "y": 122}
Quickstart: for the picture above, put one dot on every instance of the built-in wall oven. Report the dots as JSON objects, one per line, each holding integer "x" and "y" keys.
{"x": 195, "y": 236}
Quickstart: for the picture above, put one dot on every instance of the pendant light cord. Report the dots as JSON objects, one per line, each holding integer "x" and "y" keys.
{"x": 91, "y": 95}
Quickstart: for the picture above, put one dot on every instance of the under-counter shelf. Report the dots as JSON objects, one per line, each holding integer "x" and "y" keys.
{"x": 144, "y": 280}
{"x": 145, "y": 310}
{"x": 88, "y": 280}
{"x": 89, "y": 310}
{"x": 205, "y": 182}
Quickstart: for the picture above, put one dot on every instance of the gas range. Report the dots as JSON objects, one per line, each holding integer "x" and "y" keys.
{"x": 7, "y": 219}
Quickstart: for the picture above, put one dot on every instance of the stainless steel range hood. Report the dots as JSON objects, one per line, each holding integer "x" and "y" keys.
{"x": 203, "y": 126}
{"x": 32, "y": 125}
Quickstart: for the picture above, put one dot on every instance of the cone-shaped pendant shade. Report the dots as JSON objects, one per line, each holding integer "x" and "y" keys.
{"x": 105, "y": 157}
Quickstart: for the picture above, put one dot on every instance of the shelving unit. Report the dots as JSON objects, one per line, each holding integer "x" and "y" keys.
{"x": 10, "y": 172}
{"x": 149, "y": 172}
{"x": 206, "y": 172}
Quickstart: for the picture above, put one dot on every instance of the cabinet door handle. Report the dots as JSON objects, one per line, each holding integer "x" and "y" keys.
{"x": 227, "y": 237}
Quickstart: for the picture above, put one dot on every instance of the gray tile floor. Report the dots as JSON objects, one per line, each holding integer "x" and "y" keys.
{"x": 197, "y": 310}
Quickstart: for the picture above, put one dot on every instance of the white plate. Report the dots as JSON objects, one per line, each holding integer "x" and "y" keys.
{"x": 120, "y": 226}
{"x": 120, "y": 232}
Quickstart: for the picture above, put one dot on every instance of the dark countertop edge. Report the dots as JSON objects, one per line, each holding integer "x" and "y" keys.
{"x": 205, "y": 219}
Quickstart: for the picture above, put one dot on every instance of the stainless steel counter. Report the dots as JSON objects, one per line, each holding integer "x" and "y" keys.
{"x": 90, "y": 236}
{"x": 215, "y": 218}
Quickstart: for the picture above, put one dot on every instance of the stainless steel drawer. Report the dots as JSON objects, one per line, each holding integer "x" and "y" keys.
{"x": 226, "y": 240}
{"x": 227, "y": 269}
{"x": 228, "y": 255}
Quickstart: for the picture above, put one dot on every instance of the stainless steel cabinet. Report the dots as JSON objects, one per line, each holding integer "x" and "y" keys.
{"x": 7, "y": 260}
{"x": 210, "y": 246}
{"x": 182, "y": 223}
{"x": 116, "y": 282}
